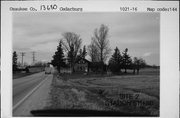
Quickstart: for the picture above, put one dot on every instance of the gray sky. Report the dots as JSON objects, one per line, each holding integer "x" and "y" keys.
{"x": 41, "y": 32}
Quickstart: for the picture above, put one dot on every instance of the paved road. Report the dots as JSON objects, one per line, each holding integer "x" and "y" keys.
{"x": 40, "y": 84}
{"x": 22, "y": 87}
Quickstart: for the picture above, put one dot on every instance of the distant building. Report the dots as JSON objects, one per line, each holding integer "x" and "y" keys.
{"x": 82, "y": 65}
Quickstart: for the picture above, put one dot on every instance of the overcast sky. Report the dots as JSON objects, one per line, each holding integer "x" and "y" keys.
{"x": 41, "y": 32}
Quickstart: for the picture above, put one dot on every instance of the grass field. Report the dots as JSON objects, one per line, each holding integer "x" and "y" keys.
{"x": 130, "y": 94}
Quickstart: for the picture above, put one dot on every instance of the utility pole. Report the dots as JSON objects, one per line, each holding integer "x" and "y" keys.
{"x": 33, "y": 56}
{"x": 22, "y": 54}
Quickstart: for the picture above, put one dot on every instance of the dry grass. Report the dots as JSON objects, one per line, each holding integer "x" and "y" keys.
{"x": 125, "y": 93}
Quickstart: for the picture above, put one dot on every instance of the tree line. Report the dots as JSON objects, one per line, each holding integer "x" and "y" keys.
{"x": 98, "y": 50}
{"x": 119, "y": 61}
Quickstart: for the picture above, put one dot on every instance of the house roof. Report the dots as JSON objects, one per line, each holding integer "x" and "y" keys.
{"x": 82, "y": 59}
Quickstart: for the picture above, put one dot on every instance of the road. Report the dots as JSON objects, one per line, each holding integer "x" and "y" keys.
{"x": 24, "y": 88}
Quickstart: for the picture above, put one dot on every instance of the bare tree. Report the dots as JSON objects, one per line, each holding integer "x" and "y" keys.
{"x": 93, "y": 52}
{"x": 72, "y": 44}
{"x": 101, "y": 42}
{"x": 139, "y": 63}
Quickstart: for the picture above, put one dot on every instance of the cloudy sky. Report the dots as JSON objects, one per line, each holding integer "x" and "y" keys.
{"x": 41, "y": 32}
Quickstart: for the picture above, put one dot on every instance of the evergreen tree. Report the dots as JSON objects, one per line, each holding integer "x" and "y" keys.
{"x": 115, "y": 61}
{"x": 15, "y": 61}
{"x": 126, "y": 60}
{"x": 58, "y": 59}
{"x": 116, "y": 57}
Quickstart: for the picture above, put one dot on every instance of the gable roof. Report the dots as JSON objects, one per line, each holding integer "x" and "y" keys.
{"x": 82, "y": 59}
